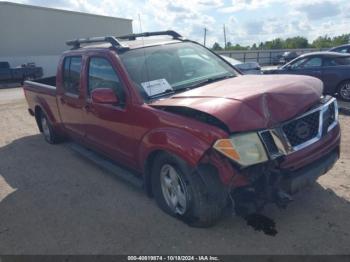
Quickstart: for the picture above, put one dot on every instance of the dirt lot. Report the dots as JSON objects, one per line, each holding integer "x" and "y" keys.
{"x": 52, "y": 201}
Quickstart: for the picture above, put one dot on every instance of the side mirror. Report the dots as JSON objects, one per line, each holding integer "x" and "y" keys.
{"x": 104, "y": 96}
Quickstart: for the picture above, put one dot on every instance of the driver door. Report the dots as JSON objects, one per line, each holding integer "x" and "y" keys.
{"x": 108, "y": 126}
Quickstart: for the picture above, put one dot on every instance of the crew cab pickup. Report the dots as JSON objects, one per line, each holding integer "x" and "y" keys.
{"x": 197, "y": 132}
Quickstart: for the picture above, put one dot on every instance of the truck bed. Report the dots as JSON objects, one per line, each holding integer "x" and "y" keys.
{"x": 46, "y": 85}
{"x": 42, "y": 92}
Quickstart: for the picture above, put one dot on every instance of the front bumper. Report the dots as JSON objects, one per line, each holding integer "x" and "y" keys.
{"x": 296, "y": 180}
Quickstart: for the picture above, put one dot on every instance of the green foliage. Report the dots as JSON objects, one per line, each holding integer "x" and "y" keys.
{"x": 322, "y": 42}
{"x": 296, "y": 42}
{"x": 291, "y": 43}
{"x": 326, "y": 41}
{"x": 216, "y": 47}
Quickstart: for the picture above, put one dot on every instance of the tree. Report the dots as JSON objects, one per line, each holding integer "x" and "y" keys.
{"x": 322, "y": 42}
{"x": 291, "y": 43}
{"x": 216, "y": 47}
{"x": 296, "y": 42}
{"x": 341, "y": 40}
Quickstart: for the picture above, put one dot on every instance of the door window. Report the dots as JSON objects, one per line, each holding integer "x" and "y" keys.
{"x": 337, "y": 61}
{"x": 102, "y": 75}
{"x": 71, "y": 74}
{"x": 298, "y": 63}
{"x": 313, "y": 62}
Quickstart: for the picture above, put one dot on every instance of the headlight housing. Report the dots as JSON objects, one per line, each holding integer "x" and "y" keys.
{"x": 245, "y": 149}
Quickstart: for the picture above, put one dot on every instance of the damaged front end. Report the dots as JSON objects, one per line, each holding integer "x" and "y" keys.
{"x": 262, "y": 167}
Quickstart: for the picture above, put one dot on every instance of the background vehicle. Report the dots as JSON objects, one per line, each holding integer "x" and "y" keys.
{"x": 276, "y": 59}
{"x": 287, "y": 57}
{"x": 330, "y": 67}
{"x": 194, "y": 131}
{"x": 341, "y": 49}
{"x": 19, "y": 74}
{"x": 250, "y": 68}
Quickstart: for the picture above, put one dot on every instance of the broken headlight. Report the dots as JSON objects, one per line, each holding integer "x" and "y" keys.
{"x": 245, "y": 149}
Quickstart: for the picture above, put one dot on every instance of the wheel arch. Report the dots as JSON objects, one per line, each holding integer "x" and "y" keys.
{"x": 37, "y": 114}
{"x": 337, "y": 89}
{"x": 176, "y": 142}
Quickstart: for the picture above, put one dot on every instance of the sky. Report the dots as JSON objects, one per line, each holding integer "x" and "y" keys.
{"x": 246, "y": 21}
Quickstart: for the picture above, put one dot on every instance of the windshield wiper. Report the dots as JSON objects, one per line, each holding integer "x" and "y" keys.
{"x": 166, "y": 92}
{"x": 208, "y": 81}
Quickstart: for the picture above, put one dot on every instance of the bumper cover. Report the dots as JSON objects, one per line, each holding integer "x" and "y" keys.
{"x": 307, "y": 175}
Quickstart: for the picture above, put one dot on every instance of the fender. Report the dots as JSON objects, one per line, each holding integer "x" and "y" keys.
{"x": 175, "y": 141}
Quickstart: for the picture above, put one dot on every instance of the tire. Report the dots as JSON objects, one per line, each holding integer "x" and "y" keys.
{"x": 199, "y": 201}
{"x": 47, "y": 130}
{"x": 344, "y": 90}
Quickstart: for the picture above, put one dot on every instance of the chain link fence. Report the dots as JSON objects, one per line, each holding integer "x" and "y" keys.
{"x": 264, "y": 57}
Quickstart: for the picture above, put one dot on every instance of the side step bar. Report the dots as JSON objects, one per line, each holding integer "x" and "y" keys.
{"x": 107, "y": 164}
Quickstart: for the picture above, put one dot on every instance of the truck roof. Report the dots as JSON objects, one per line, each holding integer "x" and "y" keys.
{"x": 131, "y": 41}
{"x": 139, "y": 43}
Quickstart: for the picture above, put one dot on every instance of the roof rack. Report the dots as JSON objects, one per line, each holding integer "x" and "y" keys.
{"x": 109, "y": 39}
{"x": 172, "y": 33}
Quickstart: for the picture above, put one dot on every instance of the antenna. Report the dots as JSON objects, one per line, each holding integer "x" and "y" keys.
{"x": 143, "y": 47}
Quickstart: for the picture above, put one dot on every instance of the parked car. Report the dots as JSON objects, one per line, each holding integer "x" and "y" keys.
{"x": 287, "y": 57}
{"x": 276, "y": 60}
{"x": 195, "y": 134}
{"x": 341, "y": 49}
{"x": 249, "y": 68}
{"x": 332, "y": 68}
{"x": 19, "y": 74}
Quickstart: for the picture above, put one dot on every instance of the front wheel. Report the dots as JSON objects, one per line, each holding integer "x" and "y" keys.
{"x": 344, "y": 90}
{"x": 184, "y": 194}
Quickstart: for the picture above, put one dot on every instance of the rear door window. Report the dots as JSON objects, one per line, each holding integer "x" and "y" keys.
{"x": 71, "y": 74}
{"x": 337, "y": 61}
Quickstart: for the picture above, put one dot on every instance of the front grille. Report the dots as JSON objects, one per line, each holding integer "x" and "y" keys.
{"x": 328, "y": 118}
{"x": 302, "y": 129}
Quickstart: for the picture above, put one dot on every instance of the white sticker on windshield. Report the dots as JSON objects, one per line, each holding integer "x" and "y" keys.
{"x": 156, "y": 87}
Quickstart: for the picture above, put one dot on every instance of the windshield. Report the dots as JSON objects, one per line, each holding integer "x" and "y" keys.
{"x": 166, "y": 69}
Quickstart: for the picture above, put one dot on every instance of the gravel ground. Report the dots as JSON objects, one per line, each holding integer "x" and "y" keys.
{"x": 52, "y": 201}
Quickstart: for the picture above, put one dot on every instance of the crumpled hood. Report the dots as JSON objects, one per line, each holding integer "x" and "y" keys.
{"x": 251, "y": 102}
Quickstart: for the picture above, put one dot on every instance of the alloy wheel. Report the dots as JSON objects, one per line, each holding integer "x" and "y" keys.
{"x": 173, "y": 189}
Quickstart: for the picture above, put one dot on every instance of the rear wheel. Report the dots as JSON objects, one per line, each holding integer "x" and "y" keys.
{"x": 47, "y": 130}
{"x": 183, "y": 194}
{"x": 344, "y": 90}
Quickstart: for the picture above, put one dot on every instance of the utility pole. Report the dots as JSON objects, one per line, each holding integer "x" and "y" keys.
{"x": 225, "y": 37}
{"x": 205, "y": 35}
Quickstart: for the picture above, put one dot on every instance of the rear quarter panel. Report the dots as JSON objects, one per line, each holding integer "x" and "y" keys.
{"x": 44, "y": 97}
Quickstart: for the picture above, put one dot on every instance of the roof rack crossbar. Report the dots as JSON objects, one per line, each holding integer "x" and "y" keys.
{"x": 172, "y": 33}
{"x": 109, "y": 39}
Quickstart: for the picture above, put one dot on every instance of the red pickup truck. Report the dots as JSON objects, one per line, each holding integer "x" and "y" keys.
{"x": 200, "y": 135}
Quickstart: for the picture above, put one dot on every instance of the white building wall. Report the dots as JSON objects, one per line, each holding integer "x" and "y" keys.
{"x": 38, "y": 34}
